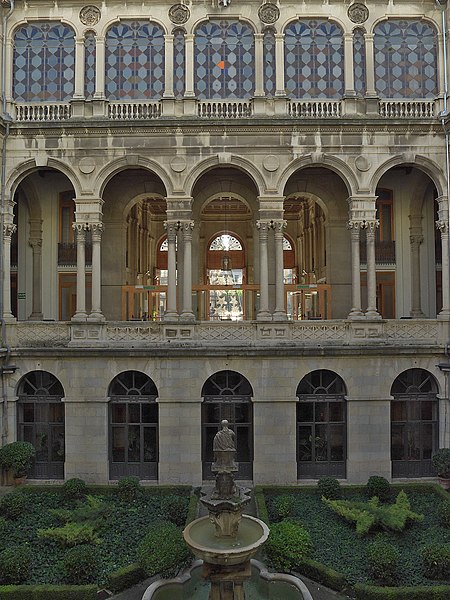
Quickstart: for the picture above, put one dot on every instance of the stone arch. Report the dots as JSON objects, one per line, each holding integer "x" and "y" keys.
{"x": 423, "y": 163}
{"x": 19, "y": 173}
{"x": 196, "y": 24}
{"x": 324, "y": 17}
{"x": 115, "y": 20}
{"x": 137, "y": 162}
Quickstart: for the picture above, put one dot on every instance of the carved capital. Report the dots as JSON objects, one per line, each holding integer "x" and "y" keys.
{"x": 96, "y": 230}
{"x": 371, "y": 226}
{"x": 9, "y": 229}
{"x": 416, "y": 239}
{"x": 278, "y": 227}
{"x": 442, "y": 225}
{"x": 35, "y": 243}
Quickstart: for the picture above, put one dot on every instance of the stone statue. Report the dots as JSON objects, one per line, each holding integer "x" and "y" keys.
{"x": 224, "y": 439}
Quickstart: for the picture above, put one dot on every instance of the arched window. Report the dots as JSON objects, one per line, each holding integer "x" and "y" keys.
{"x": 133, "y": 426}
{"x": 90, "y": 54}
{"x": 134, "y": 61}
{"x": 414, "y": 423}
{"x": 270, "y": 84}
{"x": 359, "y": 62}
{"x": 224, "y": 60}
{"x": 405, "y": 59}
{"x": 40, "y": 421}
{"x": 321, "y": 425}
{"x": 44, "y": 63}
{"x": 314, "y": 59}
{"x": 228, "y": 395}
{"x": 179, "y": 61}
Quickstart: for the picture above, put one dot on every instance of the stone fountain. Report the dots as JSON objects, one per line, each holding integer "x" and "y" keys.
{"x": 225, "y": 541}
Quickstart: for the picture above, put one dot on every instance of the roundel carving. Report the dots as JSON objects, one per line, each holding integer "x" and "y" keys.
{"x": 179, "y": 14}
{"x": 269, "y": 13}
{"x": 358, "y": 12}
{"x": 90, "y": 15}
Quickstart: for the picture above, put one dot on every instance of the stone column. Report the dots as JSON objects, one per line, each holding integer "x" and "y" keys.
{"x": 36, "y": 247}
{"x": 189, "y": 71}
{"x": 356, "y": 311}
{"x": 100, "y": 69}
{"x": 259, "y": 64}
{"x": 171, "y": 308}
{"x": 416, "y": 240}
{"x": 279, "y": 64}
{"x": 370, "y": 66}
{"x": 442, "y": 225}
{"x": 80, "y": 230}
{"x": 78, "y": 93}
{"x": 8, "y": 230}
{"x": 263, "y": 313}
{"x": 168, "y": 66}
{"x": 187, "y": 314}
{"x": 280, "y": 306}
{"x": 371, "y": 312}
{"x": 96, "y": 311}
{"x": 349, "y": 80}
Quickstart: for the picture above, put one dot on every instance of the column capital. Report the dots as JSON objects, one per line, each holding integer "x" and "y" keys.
{"x": 371, "y": 226}
{"x": 416, "y": 239}
{"x": 96, "y": 230}
{"x": 278, "y": 226}
{"x": 35, "y": 243}
{"x": 9, "y": 229}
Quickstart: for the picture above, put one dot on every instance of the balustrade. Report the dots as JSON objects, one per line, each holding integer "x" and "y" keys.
{"x": 42, "y": 112}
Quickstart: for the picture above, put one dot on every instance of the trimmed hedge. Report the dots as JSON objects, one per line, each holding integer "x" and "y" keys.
{"x": 48, "y": 592}
{"x": 125, "y": 578}
{"x": 371, "y": 592}
{"x": 322, "y": 574}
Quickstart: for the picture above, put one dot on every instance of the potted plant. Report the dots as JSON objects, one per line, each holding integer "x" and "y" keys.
{"x": 441, "y": 462}
{"x": 16, "y": 460}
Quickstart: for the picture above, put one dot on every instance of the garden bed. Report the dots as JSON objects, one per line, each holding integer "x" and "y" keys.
{"x": 339, "y": 556}
{"x": 113, "y": 533}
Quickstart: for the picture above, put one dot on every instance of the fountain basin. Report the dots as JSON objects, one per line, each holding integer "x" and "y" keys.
{"x": 263, "y": 586}
{"x": 201, "y": 539}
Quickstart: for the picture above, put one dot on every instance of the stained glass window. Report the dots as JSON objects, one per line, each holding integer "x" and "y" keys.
{"x": 44, "y": 62}
{"x": 224, "y": 60}
{"x": 405, "y": 59}
{"x": 359, "y": 62}
{"x": 225, "y": 242}
{"x": 89, "y": 64}
{"x": 314, "y": 59}
{"x": 134, "y": 61}
{"x": 269, "y": 62}
{"x": 178, "y": 63}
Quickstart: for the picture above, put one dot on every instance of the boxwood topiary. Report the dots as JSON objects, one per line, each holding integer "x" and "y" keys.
{"x": 436, "y": 561}
{"x": 163, "y": 550}
{"x": 80, "y": 565}
{"x": 74, "y": 489}
{"x": 129, "y": 488}
{"x": 379, "y": 487}
{"x": 329, "y": 488}
{"x": 383, "y": 558}
{"x": 15, "y": 564}
{"x": 287, "y": 544}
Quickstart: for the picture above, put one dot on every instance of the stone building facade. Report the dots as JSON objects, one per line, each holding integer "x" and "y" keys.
{"x": 218, "y": 209}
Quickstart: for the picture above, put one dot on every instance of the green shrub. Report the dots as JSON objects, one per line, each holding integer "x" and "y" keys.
{"x": 329, "y": 488}
{"x": 80, "y": 565}
{"x": 379, "y": 487}
{"x": 283, "y": 507}
{"x": 174, "y": 509}
{"x": 422, "y": 592}
{"x": 72, "y": 534}
{"x": 369, "y": 515}
{"x": 13, "y": 506}
{"x": 124, "y": 578}
{"x": 17, "y": 457}
{"x": 163, "y": 550}
{"x": 48, "y": 592}
{"x": 74, "y": 489}
{"x": 444, "y": 514}
{"x": 383, "y": 558}
{"x": 321, "y": 573}
{"x": 288, "y": 543}
{"x": 129, "y": 488}
{"x": 15, "y": 564}
{"x": 436, "y": 561}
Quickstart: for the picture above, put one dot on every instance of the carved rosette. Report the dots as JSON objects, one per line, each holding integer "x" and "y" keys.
{"x": 179, "y": 14}
{"x": 90, "y": 15}
{"x": 269, "y": 13}
{"x": 358, "y": 13}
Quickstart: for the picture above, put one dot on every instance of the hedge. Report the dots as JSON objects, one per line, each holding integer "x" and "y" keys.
{"x": 125, "y": 578}
{"x": 422, "y": 592}
{"x": 48, "y": 592}
{"x": 322, "y": 574}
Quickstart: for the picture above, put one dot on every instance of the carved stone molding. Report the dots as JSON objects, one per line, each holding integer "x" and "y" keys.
{"x": 358, "y": 13}
{"x": 179, "y": 14}
{"x": 269, "y": 13}
{"x": 90, "y": 15}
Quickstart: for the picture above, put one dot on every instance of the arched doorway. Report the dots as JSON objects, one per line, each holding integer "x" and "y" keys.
{"x": 228, "y": 395}
{"x": 40, "y": 421}
{"x": 414, "y": 423}
{"x": 133, "y": 426}
{"x": 321, "y": 425}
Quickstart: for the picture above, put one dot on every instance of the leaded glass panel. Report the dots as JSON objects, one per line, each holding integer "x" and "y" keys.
{"x": 224, "y": 60}
{"x": 405, "y": 59}
{"x": 179, "y": 63}
{"x": 44, "y": 63}
{"x": 89, "y": 65}
{"x": 134, "y": 61}
{"x": 269, "y": 63}
{"x": 314, "y": 59}
{"x": 359, "y": 62}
